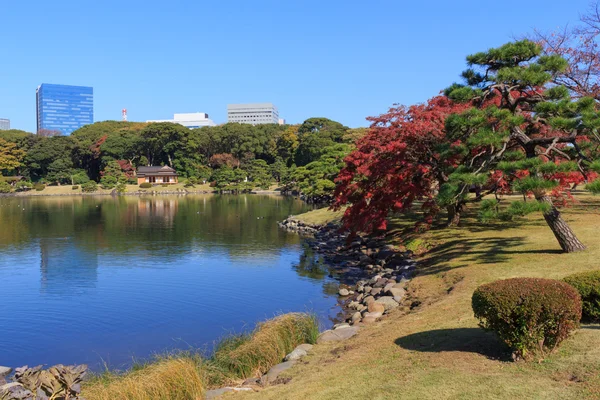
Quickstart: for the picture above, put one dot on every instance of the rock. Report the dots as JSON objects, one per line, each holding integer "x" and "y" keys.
{"x": 344, "y": 292}
{"x": 365, "y": 260}
{"x": 375, "y": 291}
{"x": 276, "y": 370}
{"x": 376, "y": 307}
{"x": 353, "y": 305}
{"x": 306, "y": 347}
{"x": 360, "y": 289}
{"x": 388, "y": 302}
{"x": 341, "y": 326}
{"x": 399, "y": 285}
{"x": 375, "y": 315}
{"x": 337, "y": 335}
{"x": 368, "y": 300}
{"x": 380, "y": 283}
{"x": 211, "y": 394}
{"x": 296, "y": 354}
{"x": 397, "y": 292}
{"x": 251, "y": 381}
{"x": 368, "y": 289}
{"x": 368, "y": 320}
{"x": 5, "y": 371}
{"x": 356, "y": 317}
{"x": 388, "y": 286}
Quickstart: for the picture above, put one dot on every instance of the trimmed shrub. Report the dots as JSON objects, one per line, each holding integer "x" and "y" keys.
{"x": 165, "y": 185}
{"x": 39, "y": 187}
{"x": 5, "y": 187}
{"x": 74, "y": 187}
{"x": 23, "y": 186}
{"x": 121, "y": 188}
{"x": 588, "y": 286}
{"x": 89, "y": 187}
{"x": 531, "y": 315}
{"x": 108, "y": 182}
{"x": 146, "y": 185}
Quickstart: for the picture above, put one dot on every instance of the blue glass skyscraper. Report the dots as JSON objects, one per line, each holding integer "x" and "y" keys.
{"x": 64, "y": 108}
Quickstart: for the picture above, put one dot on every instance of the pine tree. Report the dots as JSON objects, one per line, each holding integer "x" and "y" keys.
{"x": 522, "y": 134}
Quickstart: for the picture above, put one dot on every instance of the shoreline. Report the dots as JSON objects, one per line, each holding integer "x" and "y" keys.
{"x": 139, "y": 193}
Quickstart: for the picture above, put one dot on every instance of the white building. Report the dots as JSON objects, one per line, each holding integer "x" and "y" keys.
{"x": 281, "y": 121}
{"x": 190, "y": 120}
{"x": 253, "y": 113}
{"x": 4, "y": 124}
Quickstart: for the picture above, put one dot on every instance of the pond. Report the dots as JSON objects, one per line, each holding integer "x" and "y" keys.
{"x": 108, "y": 280}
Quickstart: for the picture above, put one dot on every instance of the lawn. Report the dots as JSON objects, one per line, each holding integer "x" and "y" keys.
{"x": 67, "y": 189}
{"x": 436, "y": 351}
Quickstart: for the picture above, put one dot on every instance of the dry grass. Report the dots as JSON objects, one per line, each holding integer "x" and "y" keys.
{"x": 169, "y": 379}
{"x": 242, "y": 357}
{"x": 437, "y": 351}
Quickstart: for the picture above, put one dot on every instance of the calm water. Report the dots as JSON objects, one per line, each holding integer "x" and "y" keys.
{"x": 106, "y": 280}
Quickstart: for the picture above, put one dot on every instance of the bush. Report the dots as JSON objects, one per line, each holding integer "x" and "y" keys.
{"x": 165, "y": 185}
{"x": 530, "y": 315}
{"x": 4, "y": 187}
{"x": 39, "y": 187}
{"x": 23, "y": 186}
{"x": 80, "y": 178}
{"x": 89, "y": 187}
{"x": 108, "y": 182}
{"x": 121, "y": 188}
{"x": 146, "y": 185}
{"x": 74, "y": 187}
{"x": 588, "y": 286}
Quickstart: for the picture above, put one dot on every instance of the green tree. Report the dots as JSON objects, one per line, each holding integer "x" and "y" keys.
{"x": 258, "y": 173}
{"x": 520, "y": 135}
{"x": 61, "y": 171}
{"x": 10, "y": 156}
{"x": 316, "y": 134}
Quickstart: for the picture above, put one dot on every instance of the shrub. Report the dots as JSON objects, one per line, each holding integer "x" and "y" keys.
{"x": 108, "y": 182}
{"x": 74, "y": 187}
{"x": 588, "y": 286}
{"x": 80, "y": 178}
{"x": 89, "y": 187}
{"x": 39, "y": 187}
{"x": 146, "y": 185}
{"x": 244, "y": 356}
{"x": 23, "y": 186}
{"x": 4, "y": 187}
{"x": 530, "y": 315}
{"x": 121, "y": 188}
{"x": 165, "y": 185}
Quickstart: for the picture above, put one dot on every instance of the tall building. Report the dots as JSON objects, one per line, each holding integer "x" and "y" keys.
{"x": 64, "y": 108}
{"x": 253, "y": 113}
{"x": 4, "y": 124}
{"x": 189, "y": 120}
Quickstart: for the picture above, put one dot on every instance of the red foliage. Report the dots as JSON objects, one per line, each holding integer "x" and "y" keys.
{"x": 127, "y": 168}
{"x": 224, "y": 159}
{"x": 395, "y": 164}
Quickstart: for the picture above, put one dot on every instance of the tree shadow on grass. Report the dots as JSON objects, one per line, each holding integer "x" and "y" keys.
{"x": 466, "y": 340}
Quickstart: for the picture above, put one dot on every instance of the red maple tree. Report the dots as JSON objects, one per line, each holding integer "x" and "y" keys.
{"x": 396, "y": 164}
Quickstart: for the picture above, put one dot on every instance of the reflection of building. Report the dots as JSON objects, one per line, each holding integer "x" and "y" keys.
{"x": 158, "y": 208}
{"x": 156, "y": 175}
{"x": 66, "y": 267}
{"x": 64, "y": 108}
{"x": 190, "y": 120}
{"x": 253, "y": 113}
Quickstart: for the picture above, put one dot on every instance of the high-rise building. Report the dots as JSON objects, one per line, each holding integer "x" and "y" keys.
{"x": 64, "y": 108}
{"x": 4, "y": 124}
{"x": 190, "y": 120}
{"x": 253, "y": 113}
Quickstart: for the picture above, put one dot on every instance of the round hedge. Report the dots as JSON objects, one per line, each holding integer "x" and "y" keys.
{"x": 588, "y": 286}
{"x": 145, "y": 185}
{"x": 530, "y": 315}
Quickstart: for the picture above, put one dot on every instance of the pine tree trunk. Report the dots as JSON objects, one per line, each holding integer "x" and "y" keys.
{"x": 563, "y": 233}
{"x": 453, "y": 215}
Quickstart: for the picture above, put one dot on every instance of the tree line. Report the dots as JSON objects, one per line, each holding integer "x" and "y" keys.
{"x": 234, "y": 156}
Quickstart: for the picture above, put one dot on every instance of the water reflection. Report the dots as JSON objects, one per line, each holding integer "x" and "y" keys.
{"x": 124, "y": 277}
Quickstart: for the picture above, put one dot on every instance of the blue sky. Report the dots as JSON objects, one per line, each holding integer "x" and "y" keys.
{"x": 344, "y": 60}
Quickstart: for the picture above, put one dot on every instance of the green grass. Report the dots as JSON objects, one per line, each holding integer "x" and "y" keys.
{"x": 320, "y": 216}
{"x": 437, "y": 351}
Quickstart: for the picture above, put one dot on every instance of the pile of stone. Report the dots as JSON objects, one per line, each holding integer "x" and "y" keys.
{"x": 373, "y": 274}
{"x": 293, "y": 225}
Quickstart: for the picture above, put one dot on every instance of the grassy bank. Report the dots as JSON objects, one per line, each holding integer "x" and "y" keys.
{"x": 68, "y": 190}
{"x": 188, "y": 375}
{"x": 437, "y": 350}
